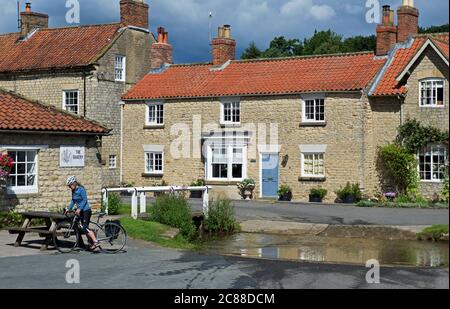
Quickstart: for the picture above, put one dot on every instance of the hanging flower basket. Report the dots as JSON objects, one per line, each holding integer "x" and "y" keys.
{"x": 6, "y": 164}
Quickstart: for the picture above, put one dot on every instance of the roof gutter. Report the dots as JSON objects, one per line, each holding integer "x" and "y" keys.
{"x": 241, "y": 95}
{"x": 57, "y": 132}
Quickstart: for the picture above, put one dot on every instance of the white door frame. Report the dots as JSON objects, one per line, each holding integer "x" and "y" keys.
{"x": 264, "y": 150}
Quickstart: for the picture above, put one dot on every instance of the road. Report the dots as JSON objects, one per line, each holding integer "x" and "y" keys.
{"x": 144, "y": 266}
{"x": 331, "y": 214}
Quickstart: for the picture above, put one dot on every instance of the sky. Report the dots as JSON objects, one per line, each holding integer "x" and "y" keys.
{"x": 188, "y": 22}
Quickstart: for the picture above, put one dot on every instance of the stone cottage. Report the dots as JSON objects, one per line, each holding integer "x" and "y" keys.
{"x": 302, "y": 121}
{"x": 47, "y": 145}
{"x": 84, "y": 69}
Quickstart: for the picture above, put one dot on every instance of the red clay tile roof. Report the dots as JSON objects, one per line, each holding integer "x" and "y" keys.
{"x": 18, "y": 113}
{"x": 344, "y": 72}
{"x": 388, "y": 84}
{"x": 55, "y": 48}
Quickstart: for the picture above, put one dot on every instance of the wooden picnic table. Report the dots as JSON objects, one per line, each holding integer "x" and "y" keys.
{"x": 47, "y": 231}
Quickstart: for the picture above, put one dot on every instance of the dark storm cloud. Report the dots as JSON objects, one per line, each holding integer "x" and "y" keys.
{"x": 251, "y": 20}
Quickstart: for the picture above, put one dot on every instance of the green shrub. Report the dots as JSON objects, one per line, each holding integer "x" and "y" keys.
{"x": 434, "y": 232}
{"x": 10, "y": 219}
{"x": 401, "y": 166}
{"x": 284, "y": 189}
{"x": 198, "y": 183}
{"x": 114, "y": 203}
{"x": 221, "y": 217}
{"x": 350, "y": 190}
{"x": 174, "y": 211}
{"x": 318, "y": 192}
{"x": 445, "y": 194}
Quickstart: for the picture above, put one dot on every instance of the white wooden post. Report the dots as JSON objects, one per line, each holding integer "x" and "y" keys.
{"x": 206, "y": 202}
{"x": 134, "y": 211}
{"x": 105, "y": 200}
{"x": 143, "y": 203}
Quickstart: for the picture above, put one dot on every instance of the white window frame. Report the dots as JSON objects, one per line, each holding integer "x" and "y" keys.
{"x": 156, "y": 105}
{"x": 123, "y": 68}
{"x": 65, "y": 91}
{"x": 114, "y": 158}
{"x": 315, "y": 98}
{"x": 154, "y": 172}
{"x": 18, "y": 190}
{"x": 312, "y": 150}
{"x": 233, "y": 101}
{"x": 229, "y": 147}
{"x": 432, "y": 148}
{"x": 433, "y": 81}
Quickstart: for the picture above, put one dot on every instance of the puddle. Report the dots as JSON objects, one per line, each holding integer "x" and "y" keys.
{"x": 333, "y": 250}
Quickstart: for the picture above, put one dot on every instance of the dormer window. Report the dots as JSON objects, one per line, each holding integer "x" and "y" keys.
{"x": 432, "y": 93}
{"x": 120, "y": 69}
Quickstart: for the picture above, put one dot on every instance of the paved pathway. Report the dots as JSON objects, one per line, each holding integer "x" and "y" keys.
{"x": 145, "y": 266}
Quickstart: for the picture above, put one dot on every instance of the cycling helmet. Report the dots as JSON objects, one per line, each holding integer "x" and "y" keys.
{"x": 71, "y": 180}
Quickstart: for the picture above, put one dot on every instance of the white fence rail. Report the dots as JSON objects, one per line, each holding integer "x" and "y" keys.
{"x": 141, "y": 193}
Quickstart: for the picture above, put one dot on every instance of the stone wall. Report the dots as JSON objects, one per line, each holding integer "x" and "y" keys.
{"x": 429, "y": 65}
{"x": 343, "y": 134}
{"x": 53, "y": 193}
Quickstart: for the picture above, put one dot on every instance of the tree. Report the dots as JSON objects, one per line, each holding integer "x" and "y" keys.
{"x": 435, "y": 29}
{"x": 360, "y": 43}
{"x": 281, "y": 47}
{"x": 251, "y": 52}
{"x": 323, "y": 42}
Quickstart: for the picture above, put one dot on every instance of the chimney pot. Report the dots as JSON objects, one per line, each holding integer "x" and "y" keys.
{"x": 28, "y": 7}
{"x": 223, "y": 47}
{"x": 166, "y": 38}
{"x": 30, "y": 21}
{"x": 161, "y": 52}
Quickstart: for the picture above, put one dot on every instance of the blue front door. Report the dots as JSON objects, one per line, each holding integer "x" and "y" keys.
{"x": 269, "y": 175}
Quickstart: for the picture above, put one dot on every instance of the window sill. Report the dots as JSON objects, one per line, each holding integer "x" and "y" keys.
{"x": 313, "y": 124}
{"x": 22, "y": 193}
{"x": 432, "y": 181}
{"x": 431, "y": 107}
{"x": 230, "y": 125}
{"x": 154, "y": 126}
{"x": 221, "y": 182}
{"x": 312, "y": 179}
{"x": 152, "y": 175}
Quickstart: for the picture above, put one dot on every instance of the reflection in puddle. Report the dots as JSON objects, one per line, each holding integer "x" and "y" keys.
{"x": 334, "y": 250}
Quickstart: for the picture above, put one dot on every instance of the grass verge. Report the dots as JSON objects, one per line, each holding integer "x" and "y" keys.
{"x": 427, "y": 205}
{"x": 434, "y": 232}
{"x": 152, "y": 231}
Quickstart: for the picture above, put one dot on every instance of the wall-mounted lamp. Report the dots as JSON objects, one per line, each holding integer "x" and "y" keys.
{"x": 285, "y": 160}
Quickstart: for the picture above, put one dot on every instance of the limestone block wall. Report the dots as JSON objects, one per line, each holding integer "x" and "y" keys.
{"x": 343, "y": 134}
{"x": 53, "y": 193}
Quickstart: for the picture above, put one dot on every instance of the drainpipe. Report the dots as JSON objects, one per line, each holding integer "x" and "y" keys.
{"x": 122, "y": 106}
{"x": 84, "y": 94}
{"x": 363, "y": 143}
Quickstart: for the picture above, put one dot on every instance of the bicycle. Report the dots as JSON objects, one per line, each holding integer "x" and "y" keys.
{"x": 111, "y": 236}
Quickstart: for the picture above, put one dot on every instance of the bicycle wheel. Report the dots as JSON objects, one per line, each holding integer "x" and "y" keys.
{"x": 112, "y": 238}
{"x": 65, "y": 238}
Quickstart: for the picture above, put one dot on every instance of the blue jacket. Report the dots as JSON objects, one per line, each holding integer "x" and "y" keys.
{"x": 79, "y": 197}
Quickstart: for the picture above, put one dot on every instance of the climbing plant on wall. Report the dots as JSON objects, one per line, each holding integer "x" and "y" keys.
{"x": 414, "y": 136}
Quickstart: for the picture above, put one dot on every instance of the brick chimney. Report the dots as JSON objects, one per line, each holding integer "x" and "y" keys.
{"x": 386, "y": 32}
{"x": 134, "y": 13}
{"x": 408, "y": 21}
{"x": 30, "y": 21}
{"x": 161, "y": 52}
{"x": 223, "y": 47}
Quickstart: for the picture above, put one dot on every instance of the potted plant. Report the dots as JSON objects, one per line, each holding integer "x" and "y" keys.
{"x": 350, "y": 194}
{"x": 6, "y": 164}
{"x": 197, "y": 183}
{"x": 246, "y": 188}
{"x": 285, "y": 193}
{"x": 316, "y": 195}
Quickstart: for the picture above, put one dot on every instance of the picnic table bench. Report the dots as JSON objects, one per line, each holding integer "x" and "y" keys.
{"x": 47, "y": 231}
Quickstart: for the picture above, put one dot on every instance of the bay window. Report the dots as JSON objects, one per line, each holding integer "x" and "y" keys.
{"x": 226, "y": 162}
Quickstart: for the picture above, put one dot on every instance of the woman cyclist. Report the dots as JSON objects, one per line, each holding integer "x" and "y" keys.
{"x": 79, "y": 198}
